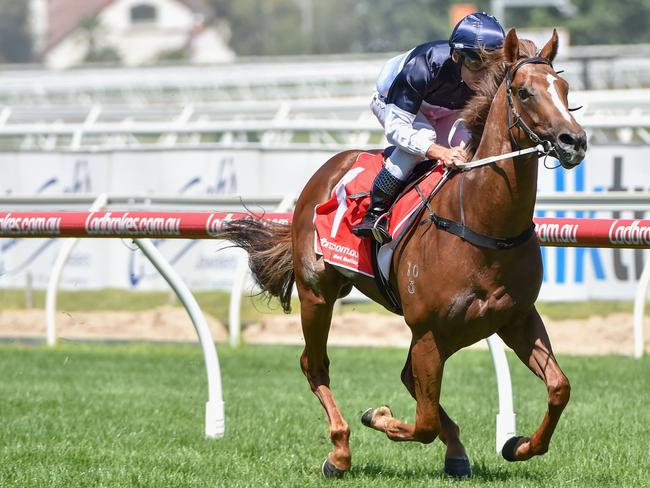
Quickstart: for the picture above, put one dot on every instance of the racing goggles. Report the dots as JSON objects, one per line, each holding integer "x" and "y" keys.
{"x": 472, "y": 63}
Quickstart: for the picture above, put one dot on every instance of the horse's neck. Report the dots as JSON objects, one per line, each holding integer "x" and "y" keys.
{"x": 501, "y": 197}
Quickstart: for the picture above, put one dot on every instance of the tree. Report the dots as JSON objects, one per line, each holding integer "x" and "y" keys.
{"x": 275, "y": 27}
{"x": 597, "y": 21}
{"x": 262, "y": 28}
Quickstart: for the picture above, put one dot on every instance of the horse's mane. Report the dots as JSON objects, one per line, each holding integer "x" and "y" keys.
{"x": 476, "y": 111}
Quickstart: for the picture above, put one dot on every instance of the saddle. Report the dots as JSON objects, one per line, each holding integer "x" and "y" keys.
{"x": 348, "y": 202}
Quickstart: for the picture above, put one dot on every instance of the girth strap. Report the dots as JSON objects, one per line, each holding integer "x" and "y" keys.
{"x": 480, "y": 240}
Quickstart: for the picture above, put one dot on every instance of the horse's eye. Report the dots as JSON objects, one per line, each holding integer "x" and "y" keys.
{"x": 524, "y": 93}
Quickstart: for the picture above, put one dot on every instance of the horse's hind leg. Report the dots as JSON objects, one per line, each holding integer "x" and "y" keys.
{"x": 530, "y": 342}
{"x": 316, "y": 303}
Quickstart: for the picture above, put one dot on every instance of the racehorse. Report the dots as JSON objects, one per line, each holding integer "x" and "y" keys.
{"x": 462, "y": 292}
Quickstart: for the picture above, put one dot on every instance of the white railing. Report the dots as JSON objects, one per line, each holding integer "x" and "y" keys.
{"x": 215, "y": 420}
{"x": 142, "y": 201}
{"x": 600, "y": 102}
{"x": 506, "y": 424}
{"x": 259, "y": 133}
{"x": 321, "y": 75}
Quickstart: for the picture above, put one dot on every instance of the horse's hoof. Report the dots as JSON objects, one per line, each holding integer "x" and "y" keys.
{"x": 508, "y": 449}
{"x": 330, "y": 471}
{"x": 458, "y": 468}
{"x": 366, "y": 417}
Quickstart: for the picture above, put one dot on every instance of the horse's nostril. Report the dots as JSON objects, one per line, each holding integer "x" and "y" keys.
{"x": 567, "y": 139}
{"x": 578, "y": 141}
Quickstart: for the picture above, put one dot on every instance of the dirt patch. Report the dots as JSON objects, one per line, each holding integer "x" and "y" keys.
{"x": 160, "y": 324}
{"x": 597, "y": 335}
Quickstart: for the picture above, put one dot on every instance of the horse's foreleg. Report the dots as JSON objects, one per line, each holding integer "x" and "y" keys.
{"x": 427, "y": 365}
{"x": 316, "y": 315}
{"x": 530, "y": 342}
{"x": 449, "y": 430}
{"x": 456, "y": 461}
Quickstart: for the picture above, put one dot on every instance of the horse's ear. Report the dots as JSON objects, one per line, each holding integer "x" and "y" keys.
{"x": 511, "y": 47}
{"x": 549, "y": 51}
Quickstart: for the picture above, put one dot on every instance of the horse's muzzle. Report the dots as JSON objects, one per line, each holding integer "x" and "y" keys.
{"x": 570, "y": 148}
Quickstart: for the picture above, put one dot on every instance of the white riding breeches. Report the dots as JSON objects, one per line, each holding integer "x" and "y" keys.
{"x": 443, "y": 126}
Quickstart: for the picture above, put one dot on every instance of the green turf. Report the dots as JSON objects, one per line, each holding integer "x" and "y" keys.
{"x": 95, "y": 415}
{"x": 216, "y": 303}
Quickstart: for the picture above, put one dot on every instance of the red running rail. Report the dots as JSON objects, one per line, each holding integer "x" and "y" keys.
{"x": 620, "y": 233}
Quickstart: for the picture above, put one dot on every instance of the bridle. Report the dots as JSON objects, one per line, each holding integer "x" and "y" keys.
{"x": 541, "y": 147}
{"x": 518, "y": 122}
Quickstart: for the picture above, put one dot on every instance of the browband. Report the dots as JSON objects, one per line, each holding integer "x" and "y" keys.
{"x": 510, "y": 74}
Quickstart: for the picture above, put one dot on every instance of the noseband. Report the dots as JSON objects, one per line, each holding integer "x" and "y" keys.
{"x": 512, "y": 111}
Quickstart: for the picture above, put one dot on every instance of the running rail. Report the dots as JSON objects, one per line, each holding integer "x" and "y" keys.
{"x": 609, "y": 233}
{"x": 57, "y": 270}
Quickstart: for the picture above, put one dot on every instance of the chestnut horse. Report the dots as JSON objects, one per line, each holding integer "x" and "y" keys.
{"x": 522, "y": 103}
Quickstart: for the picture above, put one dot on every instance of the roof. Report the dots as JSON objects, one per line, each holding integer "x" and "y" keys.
{"x": 64, "y": 16}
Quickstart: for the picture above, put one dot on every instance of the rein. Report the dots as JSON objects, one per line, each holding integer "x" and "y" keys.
{"x": 539, "y": 149}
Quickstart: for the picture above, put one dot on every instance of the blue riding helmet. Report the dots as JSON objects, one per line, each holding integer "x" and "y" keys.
{"x": 475, "y": 32}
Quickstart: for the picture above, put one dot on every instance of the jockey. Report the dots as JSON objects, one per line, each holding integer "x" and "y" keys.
{"x": 418, "y": 101}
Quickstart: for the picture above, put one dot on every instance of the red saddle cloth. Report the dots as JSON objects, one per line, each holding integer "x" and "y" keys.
{"x": 348, "y": 202}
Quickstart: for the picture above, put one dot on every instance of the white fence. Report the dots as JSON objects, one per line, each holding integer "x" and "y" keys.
{"x": 618, "y": 116}
{"x": 283, "y": 78}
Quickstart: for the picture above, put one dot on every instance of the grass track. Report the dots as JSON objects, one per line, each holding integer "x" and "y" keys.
{"x": 96, "y": 415}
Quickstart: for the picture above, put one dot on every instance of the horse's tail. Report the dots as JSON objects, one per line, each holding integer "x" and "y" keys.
{"x": 268, "y": 245}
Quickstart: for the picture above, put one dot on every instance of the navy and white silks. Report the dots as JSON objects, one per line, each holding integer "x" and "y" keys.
{"x": 418, "y": 101}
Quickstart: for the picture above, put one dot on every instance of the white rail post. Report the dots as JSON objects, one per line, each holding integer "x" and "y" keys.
{"x": 506, "y": 423}
{"x": 91, "y": 118}
{"x": 215, "y": 422}
{"x": 639, "y": 310}
{"x": 234, "y": 310}
{"x": 239, "y": 281}
{"x": 57, "y": 270}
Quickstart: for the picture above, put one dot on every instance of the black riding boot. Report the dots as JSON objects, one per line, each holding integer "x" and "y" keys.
{"x": 384, "y": 192}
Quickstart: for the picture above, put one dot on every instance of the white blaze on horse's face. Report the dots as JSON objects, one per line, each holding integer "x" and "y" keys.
{"x": 556, "y": 98}
{"x": 567, "y": 136}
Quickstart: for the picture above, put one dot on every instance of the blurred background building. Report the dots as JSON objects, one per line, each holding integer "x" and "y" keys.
{"x": 67, "y": 33}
